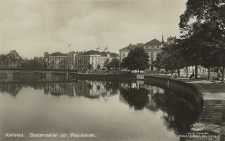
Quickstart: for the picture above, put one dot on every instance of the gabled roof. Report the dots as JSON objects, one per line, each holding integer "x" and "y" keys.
{"x": 153, "y": 42}
{"x": 132, "y": 46}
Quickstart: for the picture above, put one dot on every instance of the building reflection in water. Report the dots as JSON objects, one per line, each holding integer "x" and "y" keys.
{"x": 178, "y": 114}
{"x": 89, "y": 89}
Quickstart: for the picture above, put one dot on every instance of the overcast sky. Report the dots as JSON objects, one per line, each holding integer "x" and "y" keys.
{"x": 34, "y": 27}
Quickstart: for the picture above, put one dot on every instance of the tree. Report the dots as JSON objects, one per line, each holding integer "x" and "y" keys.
{"x": 171, "y": 56}
{"x": 90, "y": 66}
{"x": 137, "y": 59}
{"x": 3, "y": 59}
{"x": 33, "y": 63}
{"x": 206, "y": 33}
{"x": 106, "y": 63}
{"x": 98, "y": 66}
{"x": 113, "y": 64}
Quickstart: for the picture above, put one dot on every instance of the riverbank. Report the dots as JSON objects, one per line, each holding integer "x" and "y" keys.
{"x": 90, "y": 76}
{"x": 213, "y": 115}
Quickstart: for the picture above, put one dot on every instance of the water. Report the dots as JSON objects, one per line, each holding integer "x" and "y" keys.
{"x": 98, "y": 110}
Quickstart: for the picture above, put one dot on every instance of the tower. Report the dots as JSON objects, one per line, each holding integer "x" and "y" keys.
{"x": 162, "y": 39}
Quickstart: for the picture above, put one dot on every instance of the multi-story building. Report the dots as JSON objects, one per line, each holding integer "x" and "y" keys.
{"x": 70, "y": 60}
{"x": 152, "y": 48}
{"x": 93, "y": 58}
{"x": 59, "y": 60}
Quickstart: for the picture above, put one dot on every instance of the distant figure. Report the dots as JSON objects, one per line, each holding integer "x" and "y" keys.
{"x": 213, "y": 80}
{"x": 216, "y": 78}
{"x": 175, "y": 76}
{"x": 218, "y": 75}
{"x": 192, "y": 76}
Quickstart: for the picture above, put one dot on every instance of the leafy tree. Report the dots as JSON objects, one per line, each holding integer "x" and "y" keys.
{"x": 90, "y": 66}
{"x": 98, "y": 66}
{"x": 113, "y": 64}
{"x": 206, "y": 33}
{"x": 171, "y": 56}
{"x": 106, "y": 63}
{"x": 3, "y": 59}
{"x": 137, "y": 59}
{"x": 33, "y": 63}
{"x": 127, "y": 63}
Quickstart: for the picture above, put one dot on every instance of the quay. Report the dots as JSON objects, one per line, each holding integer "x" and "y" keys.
{"x": 46, "y": 72}
{"x": 212, "y": 116}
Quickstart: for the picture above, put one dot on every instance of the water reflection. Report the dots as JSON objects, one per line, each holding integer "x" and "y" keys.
{"x": 89, "y": 89}
{"x": 178, "y": 113}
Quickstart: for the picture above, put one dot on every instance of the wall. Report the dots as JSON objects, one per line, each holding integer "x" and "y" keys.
{"x": 187, "y": 90}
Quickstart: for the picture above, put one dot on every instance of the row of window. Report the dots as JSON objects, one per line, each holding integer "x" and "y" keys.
{"x": 158, "y": 46}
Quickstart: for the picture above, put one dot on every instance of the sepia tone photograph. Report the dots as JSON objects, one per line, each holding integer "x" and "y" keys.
{"x": 112, "y": 70}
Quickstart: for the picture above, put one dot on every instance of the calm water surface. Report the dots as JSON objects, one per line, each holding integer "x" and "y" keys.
{"x": 104, "y": 110}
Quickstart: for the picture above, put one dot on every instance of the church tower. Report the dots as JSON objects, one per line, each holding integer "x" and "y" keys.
{"x": 162, "y": 39}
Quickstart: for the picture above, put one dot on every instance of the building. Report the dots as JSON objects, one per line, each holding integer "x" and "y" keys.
{"x": 152, "y": 48}
{"x": 58, "y": 60}
{"x": 93, "y": 58}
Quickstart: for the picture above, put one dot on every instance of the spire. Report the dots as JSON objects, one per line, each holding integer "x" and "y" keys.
{"x": 162, "y": 39}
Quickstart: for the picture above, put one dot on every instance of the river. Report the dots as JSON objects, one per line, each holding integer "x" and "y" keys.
{"x": 92, "y": 110}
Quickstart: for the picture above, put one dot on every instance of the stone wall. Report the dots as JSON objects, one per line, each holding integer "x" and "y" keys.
{"x": 187, "y": 90}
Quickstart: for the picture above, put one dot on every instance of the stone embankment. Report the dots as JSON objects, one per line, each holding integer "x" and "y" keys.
{"x": 212, "y": 118}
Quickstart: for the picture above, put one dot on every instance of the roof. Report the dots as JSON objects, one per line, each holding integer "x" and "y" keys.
{"x": 153, "y": 42}
{"x": 58, "y": 54}
{"x": 93, "y": 52}
{"x": 132, "y": 46}
{"x": 90, "y": 52}
{"x": 114, "y": 55}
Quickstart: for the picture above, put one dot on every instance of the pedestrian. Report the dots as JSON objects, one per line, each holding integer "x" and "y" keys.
{"x": 192, "y": 76}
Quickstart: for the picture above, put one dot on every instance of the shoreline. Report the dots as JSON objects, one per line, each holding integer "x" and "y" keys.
{"x": 212, "y": 115}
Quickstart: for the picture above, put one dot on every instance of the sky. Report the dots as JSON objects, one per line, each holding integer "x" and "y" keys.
{"x": 34, "y": 27}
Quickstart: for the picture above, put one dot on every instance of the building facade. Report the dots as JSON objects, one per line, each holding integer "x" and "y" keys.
{"x": 59, "y": 60}
{"x": 94, "y": 58}
{"x": 152, "y": 48}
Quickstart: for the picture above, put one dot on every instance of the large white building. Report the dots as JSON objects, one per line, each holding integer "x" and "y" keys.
{"x": 152, "y": 48}
{"x": 94, "y": 58}
{"x": 60, "y": 60}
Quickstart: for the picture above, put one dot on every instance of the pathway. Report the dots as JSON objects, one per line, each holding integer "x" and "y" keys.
{"x": 213, "y": 114}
